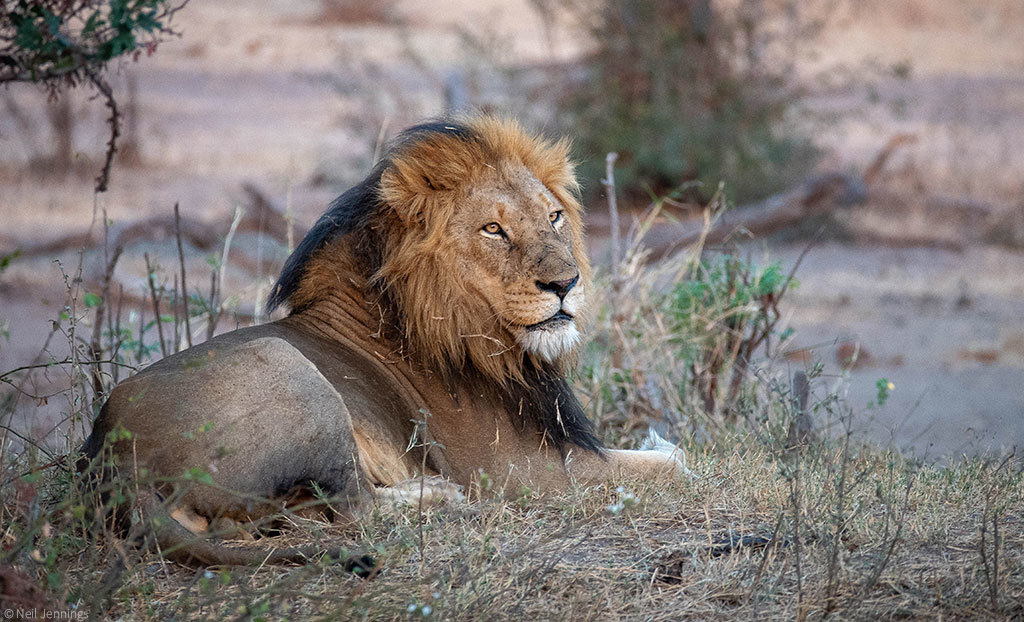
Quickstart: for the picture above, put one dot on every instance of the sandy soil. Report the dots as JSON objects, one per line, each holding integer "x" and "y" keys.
{"x": 271, "y": 93}
{"x": 944, "y": 327}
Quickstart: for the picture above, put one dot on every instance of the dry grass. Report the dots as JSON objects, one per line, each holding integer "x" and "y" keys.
{"x": 767, "y": 529}
{"x": 496, "y": 558}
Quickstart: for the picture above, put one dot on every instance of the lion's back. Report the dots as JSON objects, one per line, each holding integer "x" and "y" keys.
{"x": 258, "y": 408}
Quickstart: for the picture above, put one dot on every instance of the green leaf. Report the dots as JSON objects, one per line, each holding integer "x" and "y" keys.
{"x": 198, "y": 475}
{"x": 5, "y": 260}
{"x": 771, "y": 280}
{"x": 91, "y": 300}
{"x": 91, "y": 24}
{"x": 52, "y": 23}
{"x": 884, "y": 387}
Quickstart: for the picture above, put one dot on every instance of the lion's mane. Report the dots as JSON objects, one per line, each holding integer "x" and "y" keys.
{"x": 388, "y": 236}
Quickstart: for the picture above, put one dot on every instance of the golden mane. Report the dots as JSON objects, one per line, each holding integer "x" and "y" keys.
{"x": 388, "y": 236}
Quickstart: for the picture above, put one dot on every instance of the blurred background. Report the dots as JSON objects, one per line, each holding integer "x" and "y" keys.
{"x": 874, "y": 143}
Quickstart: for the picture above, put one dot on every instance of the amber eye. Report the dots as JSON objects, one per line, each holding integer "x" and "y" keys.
{"x": 493, "y": 228}
{"x": 555, "y": 216}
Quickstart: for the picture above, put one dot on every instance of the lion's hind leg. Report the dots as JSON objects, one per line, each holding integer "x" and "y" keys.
{"x": 190, "y": 520}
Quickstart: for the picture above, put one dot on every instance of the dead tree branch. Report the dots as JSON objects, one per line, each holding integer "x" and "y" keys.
{"x": 813, "y": 197}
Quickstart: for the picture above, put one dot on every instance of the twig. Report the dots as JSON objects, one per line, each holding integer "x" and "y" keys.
{"x": 197, "y": 233}
{"x": 991, "y": 571}
{"x": 114, "y": 121}
{"x": 116, "y": 331}
{"x": 794, "y": 494}
{"x": 30, "y": 441}
{"x": 764, "y": 561}
{"x": 378, "y": 145}
{"x": 877, "y": 572}
{"x": 95, "y": 345}
{"x": 73, "y": 288}
{"x": 67, "y": 361}
{"x": 613, "y": 212}
{"x": 839, "y": 516}
{"x": 175, "y": 304}
{"x": 211, "y": 306}
{"x": 217, "y": 286}
{"x": 112, "y": 336}
{"x": 156, "y": 306}
{"x": 419, "y": 509}
{"x": 142, "y": 333}
{"x": 227, "y": 246}
{"x": 184, "y": 286}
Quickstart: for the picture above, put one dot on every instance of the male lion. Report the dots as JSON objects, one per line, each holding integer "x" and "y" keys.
{"x": 447, "y": 287}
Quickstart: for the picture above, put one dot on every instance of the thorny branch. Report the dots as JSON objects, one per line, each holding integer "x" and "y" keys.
{"x": 59, "y": 44}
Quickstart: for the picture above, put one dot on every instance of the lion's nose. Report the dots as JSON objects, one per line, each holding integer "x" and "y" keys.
{"x": 560, "y": 288}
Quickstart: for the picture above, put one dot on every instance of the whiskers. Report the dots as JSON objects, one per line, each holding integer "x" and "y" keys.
{"x": 551, "y": 343}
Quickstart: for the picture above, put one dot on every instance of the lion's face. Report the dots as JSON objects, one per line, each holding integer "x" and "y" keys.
{"x": 473, "y": 249}
{"x": 515, "y": 250}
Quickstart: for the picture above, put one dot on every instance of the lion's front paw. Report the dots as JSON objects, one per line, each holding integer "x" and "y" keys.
{"x": 670, "y": 455}
{"x": 431, "y": 490}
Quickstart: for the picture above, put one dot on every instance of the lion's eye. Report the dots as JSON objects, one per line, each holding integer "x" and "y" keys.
{"x": 493, "y": 228}
{"x": 555, "y": 216}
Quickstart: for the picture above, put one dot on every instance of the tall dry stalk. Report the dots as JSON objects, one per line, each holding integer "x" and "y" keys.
{"x": 616, "y": 270}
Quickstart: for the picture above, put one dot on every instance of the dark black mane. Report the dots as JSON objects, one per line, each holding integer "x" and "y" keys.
{"x": 549, "y": 403}
{"x": 352, "y": 210}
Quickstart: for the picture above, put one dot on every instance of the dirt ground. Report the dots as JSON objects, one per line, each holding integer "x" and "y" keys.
{"x": 278, "y": 94}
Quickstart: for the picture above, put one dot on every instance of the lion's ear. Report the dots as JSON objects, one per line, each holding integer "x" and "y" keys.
{"x": 419, "y": 171}
{"x": 419, "y": 175}
{"x": 405, "y": 192}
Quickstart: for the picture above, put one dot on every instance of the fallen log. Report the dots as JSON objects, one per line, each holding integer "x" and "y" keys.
{"x": 260, "y": 216}
{"x": 814, "y": 197}
{"x": 779, "y": 211}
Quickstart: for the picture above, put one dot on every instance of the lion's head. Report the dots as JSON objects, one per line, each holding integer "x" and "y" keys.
{"x": 469, "y": 234}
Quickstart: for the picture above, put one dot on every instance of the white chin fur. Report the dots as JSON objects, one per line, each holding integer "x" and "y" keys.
{"x": 551, "y": 343}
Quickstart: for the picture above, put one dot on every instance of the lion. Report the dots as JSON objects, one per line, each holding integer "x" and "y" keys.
{"x": 433, "y": 312}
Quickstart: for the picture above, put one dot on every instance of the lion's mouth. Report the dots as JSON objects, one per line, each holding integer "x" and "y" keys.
{"x": 560, "y": 316}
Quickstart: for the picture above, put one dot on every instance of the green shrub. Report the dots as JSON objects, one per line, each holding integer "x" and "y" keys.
{"x": 685, "y": 91}
{"x": 57, "y": 43}
{"x": 60, "y": 44}
{"x": 726, "y": 296}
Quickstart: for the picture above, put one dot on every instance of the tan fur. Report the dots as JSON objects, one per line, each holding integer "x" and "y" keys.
{"x": 438, "y": 332}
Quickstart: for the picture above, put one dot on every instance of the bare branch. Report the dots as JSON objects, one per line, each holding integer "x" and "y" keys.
{"x": 184, "y": 286}
{"x": 103, "y": 179}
